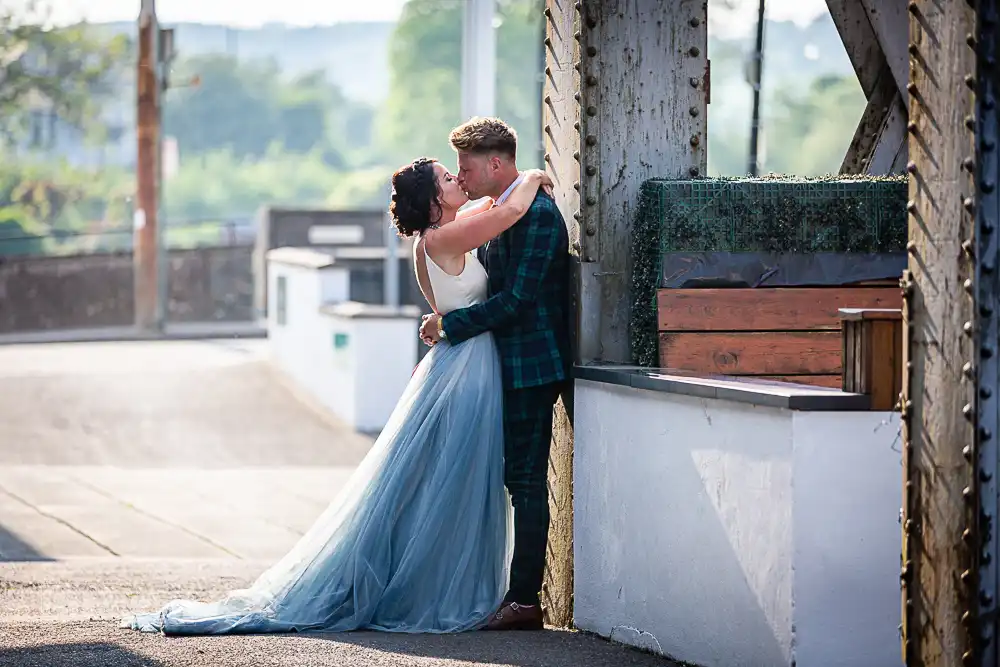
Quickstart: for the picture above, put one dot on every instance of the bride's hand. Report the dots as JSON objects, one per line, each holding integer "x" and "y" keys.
{"x": 540, "y": 177}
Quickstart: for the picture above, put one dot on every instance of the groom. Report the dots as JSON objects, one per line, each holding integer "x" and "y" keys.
{"x": 527, "y": 311}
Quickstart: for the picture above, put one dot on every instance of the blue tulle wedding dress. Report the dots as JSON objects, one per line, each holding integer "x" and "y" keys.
{"x": 419, "y": 539}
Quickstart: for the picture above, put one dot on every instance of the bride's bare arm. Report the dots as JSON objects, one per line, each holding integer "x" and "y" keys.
{"x": 468, "y": 233}
{"x": 482, "y": 206}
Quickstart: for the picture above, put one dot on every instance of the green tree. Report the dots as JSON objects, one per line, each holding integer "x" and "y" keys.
{"x": 66, "y": 71}
{"x": 425, "y": 95}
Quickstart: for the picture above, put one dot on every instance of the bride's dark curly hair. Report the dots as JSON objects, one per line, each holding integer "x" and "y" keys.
{"x": 415, "y": 205}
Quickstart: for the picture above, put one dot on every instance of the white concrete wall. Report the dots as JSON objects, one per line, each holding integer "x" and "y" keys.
{"x": 353, "y": 362}
{"x": 703, "y": 529}
{"x": 847, "y": 495}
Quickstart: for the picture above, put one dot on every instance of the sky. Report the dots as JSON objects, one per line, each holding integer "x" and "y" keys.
{"x": 253, "y": 13}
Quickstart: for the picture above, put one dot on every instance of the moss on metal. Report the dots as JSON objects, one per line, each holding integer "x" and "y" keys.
{"x": 774, "y": 214}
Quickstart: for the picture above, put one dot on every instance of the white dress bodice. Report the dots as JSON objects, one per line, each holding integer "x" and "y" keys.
{"x": 455, "y": 292}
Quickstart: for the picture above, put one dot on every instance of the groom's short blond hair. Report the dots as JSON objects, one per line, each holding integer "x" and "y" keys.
{"x": 485, "y": 135}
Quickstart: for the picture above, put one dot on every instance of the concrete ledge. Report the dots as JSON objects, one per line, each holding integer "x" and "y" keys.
{"x": 752, "y": 391}
{"x": 304, "y": 257}
{"x": 188, "y": 331}
{"x": 354, "y": 310}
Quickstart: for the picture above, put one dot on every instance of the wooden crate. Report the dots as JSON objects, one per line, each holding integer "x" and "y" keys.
{"x": 788, "y": 334}
{"x": 873, "y": 354}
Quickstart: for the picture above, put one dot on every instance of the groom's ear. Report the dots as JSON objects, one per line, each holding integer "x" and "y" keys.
{"x": 495, "y": 162}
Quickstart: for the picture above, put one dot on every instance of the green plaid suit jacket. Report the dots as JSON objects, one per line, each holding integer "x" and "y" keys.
{"x": 528, "y": 305}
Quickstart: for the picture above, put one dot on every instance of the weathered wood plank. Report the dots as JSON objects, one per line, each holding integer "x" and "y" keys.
{"x": 746, "y": 353}
{"x": 766, "y": 309}
{"x": 935, "y": 431}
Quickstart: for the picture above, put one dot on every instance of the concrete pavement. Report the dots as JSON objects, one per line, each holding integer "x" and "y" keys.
{"x": 134, "y": 473}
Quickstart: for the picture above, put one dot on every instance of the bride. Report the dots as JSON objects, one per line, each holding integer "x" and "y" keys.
{"x": 419, "y": 538}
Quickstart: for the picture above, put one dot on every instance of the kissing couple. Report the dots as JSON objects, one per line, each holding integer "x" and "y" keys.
{"x": 443, "y": 527}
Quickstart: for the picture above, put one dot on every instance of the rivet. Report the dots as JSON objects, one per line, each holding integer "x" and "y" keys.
{"x": 967, "y": 493}
{"x": 967, "y": 285}
{"x": 967, "y": 369}
{"x": 966, "y": 577}
{"x": 966, "y": 616}
{"x": 970, "y": 81}
{"x": 576, "y": 125}
{"x": 591, "y": 110}
{"x": 970, "y": 122}
{"x": 912, "y": 7}
{"x": 695, "y": 140}
{"x": 967, "y": 536}
{"x": 548, "y": 71}
{"x": 591, "y": 80}
{"x": 578, "y": 36}
{"x": 694, "y": 111}
{"x": 547, "y": 41}
{"x": 577, "y": 217}
{"x": 548, "y": 12}
{"x": 913, "y": 49}
{"x": 911, "y": 167}
{"x": 911, "y": 206}
{"x": 911, "y": 88}
{"x": 694, "y": 171}
{"x": 985, "y": 393}
{"x": 967, "y": 411}
{"x": 578, "y": 67}
{"x": 967, "y": 452}
{"x": 967, "y": 658}
{"x": 985, "y": 433}
{"x": 911, "y": 247}
{"x": 576, "y": 185}
{"x": 912, "y": 127}
{"x": 988, "y": 144}
{"x": 591, "y": 170}
{"x": 693, "y": 81}
{"x": 694, "y": 52}
{"x": 694, "y": 22}
{"x": 590, "y": 230}
{"x": 986, "y": 187}
{"x": 986, "y": 352}
{"x": 967, "y": 247}
{"x": 970, "y": 39}
{"x": 969, "y": 163}
{"x": 591, "y": 51}
{"x": 548, "y": 158}
{"x": 591, "y": 200}
{"x": 578, "y": 6}
{"x": 591, "y": 140}
{"x": 969, "y": 203}
{"x": 548, "y": 99}
{"x": 576, "y": 155}
{"x": 591, "y": 22}
{"x": 986, "y": 310}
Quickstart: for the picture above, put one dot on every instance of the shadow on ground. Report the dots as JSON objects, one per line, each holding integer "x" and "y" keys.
{"x": 74, "y": 655}
{"x": 549, "y": 648}
{"x": 13, "y": 548}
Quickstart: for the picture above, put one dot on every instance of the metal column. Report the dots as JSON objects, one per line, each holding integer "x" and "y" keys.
{"x": 479, "y": 59}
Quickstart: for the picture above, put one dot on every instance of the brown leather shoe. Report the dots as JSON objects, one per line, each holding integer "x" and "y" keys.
{"x": 514, "y": 616}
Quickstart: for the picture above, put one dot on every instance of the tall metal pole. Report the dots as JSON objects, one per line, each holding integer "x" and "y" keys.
{"x": 146, "y": 236}
{"x": 986, "y": 401}
{"x": 757, "y": 74}
{"x": 941, "y": 522}
{"x": 479, "y": 59}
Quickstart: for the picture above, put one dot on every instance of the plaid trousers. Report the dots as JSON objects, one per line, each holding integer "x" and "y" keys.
{"x": 527, "y": 422}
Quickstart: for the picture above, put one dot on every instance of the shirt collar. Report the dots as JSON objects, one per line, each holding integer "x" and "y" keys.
{"x": 506, "y": 193}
